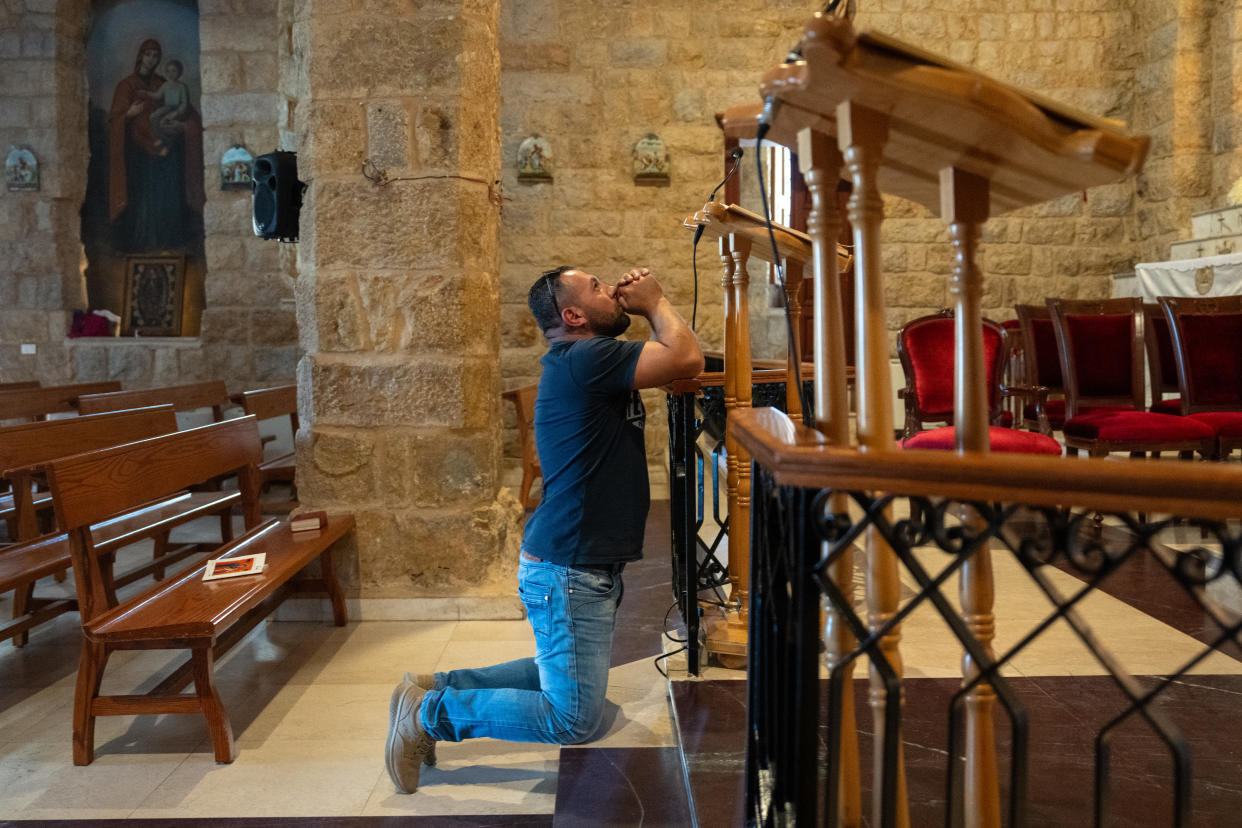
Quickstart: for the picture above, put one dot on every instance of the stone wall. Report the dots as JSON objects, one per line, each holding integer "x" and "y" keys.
{"x": 398, "y": 301}
{"x": 248, "y": 330}
{"x": 42, "y": 105}
{"x": 593, "y": 79}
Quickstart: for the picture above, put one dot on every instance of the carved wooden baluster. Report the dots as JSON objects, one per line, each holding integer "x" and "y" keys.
{"x": 739, "y": 521}
{"x": 861, "y": 135}
{"x": 793, "y": 300}
{"x": 964, "y": 208}
{"x": 820, "y": 162}
{"x": 730, "y": 380}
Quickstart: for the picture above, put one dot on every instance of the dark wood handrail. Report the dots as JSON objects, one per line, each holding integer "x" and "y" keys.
{"x": 799, "y": 456}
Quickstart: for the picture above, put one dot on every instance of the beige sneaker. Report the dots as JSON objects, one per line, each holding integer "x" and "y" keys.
{"x": 427, "y": 681}
{"x": 408, "y": 745}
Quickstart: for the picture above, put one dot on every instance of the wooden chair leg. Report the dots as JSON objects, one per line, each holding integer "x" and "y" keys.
{"x": 213, "y": 708}
{"x": 226, "y": 525}
{"x": 327, "y": 568}
{"x": 22, "y": 597}
{"x": 61, "y": 574}
{"x": 107, "y": 567}
{"x": 90, "y": 676}
{"x": 159, "y": 550}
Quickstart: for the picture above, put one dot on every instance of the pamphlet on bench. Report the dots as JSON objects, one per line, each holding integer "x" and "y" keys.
{"x": 234, "y": 567}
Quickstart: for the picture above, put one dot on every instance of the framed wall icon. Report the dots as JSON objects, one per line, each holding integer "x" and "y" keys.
{"x": 154, "y": 287}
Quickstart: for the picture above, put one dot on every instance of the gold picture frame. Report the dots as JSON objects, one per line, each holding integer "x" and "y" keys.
{"x": 154, "y": 287}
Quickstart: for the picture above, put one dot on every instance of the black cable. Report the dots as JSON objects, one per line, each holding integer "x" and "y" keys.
{"x": 660, "y": 658}
{"x": 694, "y": 266}
{"x": 736, "y": 155}
{"x": 765, "y": 124}
{"x": 664, "y": 626}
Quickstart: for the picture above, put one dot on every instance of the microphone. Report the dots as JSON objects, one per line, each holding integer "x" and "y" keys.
{"x": 736, "y": 155}
{"x": 770, "y": 105}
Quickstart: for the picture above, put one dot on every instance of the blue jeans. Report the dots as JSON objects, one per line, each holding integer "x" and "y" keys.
{"x": 557, "y": 696}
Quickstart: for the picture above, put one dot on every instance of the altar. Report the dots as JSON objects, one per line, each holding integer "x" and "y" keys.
{"x": 1206, "y": 276}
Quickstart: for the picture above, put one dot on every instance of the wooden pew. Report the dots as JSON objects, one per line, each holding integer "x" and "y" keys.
{"x": 190, "y": 397}
{"x": 31, "y": 443}
{"x": 37, "y": 403}
{"x": 18, "y": 386}
{"x": 23, "y": 448}
{"x": 266, "y": 404}
{"x": 185, "y": 613}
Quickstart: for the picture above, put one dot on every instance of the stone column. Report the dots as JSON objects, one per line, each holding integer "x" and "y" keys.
{"x": 397, "y": 300}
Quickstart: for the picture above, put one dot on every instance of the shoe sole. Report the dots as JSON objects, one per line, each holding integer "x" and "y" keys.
{"x": 398, "y": 708}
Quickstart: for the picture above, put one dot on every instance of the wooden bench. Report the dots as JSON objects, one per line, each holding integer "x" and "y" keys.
{"x": 190, "y": 397}
{"x": 183, "y": 613}
{"x": 37, "y": 403}
{"x": 18, "y": 386}
{"x": 266, "y": 404}
{"x": 24, "y": 447}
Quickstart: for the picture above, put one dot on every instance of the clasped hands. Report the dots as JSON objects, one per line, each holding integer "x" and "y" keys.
{"x": 638, "y": 291}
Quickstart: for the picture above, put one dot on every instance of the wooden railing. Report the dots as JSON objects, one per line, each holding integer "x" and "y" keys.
{"x": 1092, "y": 518}
{"x": 894, "y": 119}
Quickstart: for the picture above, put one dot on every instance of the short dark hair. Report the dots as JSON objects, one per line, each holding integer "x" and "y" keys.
{"x": 177, "y": 63}
{"x": 544, "y": 298}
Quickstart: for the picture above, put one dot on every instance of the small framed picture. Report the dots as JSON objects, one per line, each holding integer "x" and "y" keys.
{"x": 236, "y": 166}
{"x": 535, "y": 159}
{"x": 154, "y": 286}
{"x": 21, "y": 169}
{"x": 650, "y": 160}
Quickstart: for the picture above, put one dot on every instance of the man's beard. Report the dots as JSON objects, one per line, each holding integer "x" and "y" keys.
{"x": 610, "y": 326}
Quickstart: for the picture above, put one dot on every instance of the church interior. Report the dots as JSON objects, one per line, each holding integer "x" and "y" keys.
{"x": 948, "y": 531}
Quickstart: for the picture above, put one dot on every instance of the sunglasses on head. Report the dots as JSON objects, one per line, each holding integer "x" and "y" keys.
{"x": 547, "y": 277}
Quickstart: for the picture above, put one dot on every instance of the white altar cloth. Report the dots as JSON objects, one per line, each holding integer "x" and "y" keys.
{"x": 1208, "y": 276}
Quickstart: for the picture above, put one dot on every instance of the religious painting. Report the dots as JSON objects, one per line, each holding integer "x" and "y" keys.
{"x": 535, "y": 159}
{"x": 236, "y": 166}
{"x": 650, "y": 160}
{"x": 153, "y": 291}
{"x": 145, "y": 181}
{"x": 21, "y": 169}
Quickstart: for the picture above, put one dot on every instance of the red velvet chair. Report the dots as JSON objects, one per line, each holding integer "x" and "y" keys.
{"x": 1207, "y": 349}
{"x": 1014, "y": 374}
{"x": 1101, "y": 350}
{"x": 1043, "y": 368}
{"x": 926, "y": 349}
{"x": 1161, "y": 361}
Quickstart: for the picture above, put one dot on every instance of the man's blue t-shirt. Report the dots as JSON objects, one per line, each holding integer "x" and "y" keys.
{"x": 589, "y": 432}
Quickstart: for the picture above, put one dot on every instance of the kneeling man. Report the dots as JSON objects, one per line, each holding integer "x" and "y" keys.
{"x": 589, "y": 422}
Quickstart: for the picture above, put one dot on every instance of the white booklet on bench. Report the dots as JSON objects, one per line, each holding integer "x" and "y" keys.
{"x": 233, "y": 567}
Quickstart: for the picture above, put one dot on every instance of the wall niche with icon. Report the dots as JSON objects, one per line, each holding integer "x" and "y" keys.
{"x": 21, "y": 170}
{"x": 535, "y": 160}
{"x": 236, "y": 168}
{"x": 649, "y": 160}
{"x": 145, "y": 185}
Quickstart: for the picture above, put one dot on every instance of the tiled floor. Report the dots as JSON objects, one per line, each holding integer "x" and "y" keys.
{"x": 309, "y": 708}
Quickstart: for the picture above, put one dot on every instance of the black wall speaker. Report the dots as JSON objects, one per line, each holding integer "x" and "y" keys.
{"x": 277, "y": 196}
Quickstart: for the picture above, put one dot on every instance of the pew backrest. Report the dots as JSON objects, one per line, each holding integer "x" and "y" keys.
{"x": 31, "y": 443}
{"x": 197, "y": 395}
{"x": 266, "y": 403}
{"x": 87, "y": 488}
{"x": 35, "y": 403}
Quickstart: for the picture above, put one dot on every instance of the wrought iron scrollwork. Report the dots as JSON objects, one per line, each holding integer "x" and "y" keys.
{"x": 797, "y": 535}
